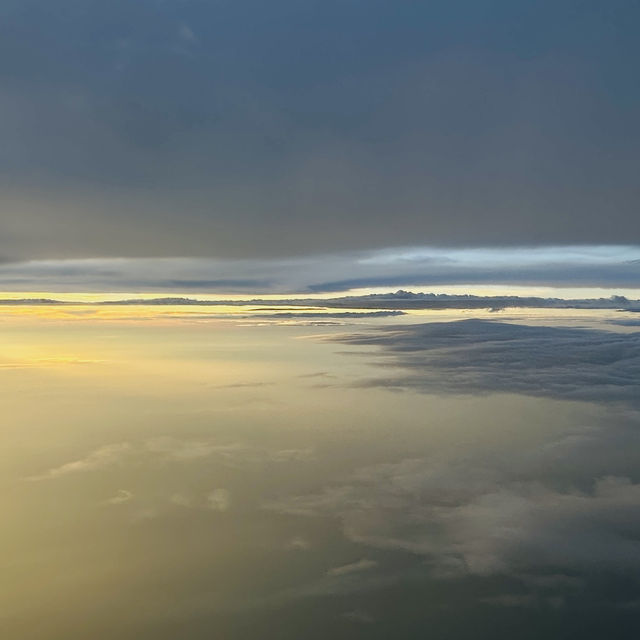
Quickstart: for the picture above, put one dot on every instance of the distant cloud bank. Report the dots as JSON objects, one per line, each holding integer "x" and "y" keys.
{"x": 607, "y": 267}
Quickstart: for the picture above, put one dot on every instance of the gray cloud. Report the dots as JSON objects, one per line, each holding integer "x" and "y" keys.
{"x": 622, "y": 275}
{"x": 359, "y": 616}
{"x": 470, "y": 519}
{"x": 246, "y": 129}
{"x": 546, "y": 515}
{"x": 593, "y": 266}
{"x": 525, "y": 600}
{"x": 476, "y": 356}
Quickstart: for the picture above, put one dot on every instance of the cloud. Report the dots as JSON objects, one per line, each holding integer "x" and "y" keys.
{"x": 121, "y": 496}
{"x": 552, "y": 581}
{"x": 101, "y": 458}
{"x": 546, "y": 515}
{"x": 183, "y": 450}
{"x": 359, "y": 616}
{"x": 186, "y": 33}
{"x": 363, "y": 564}
{"x": 219, "y": 500}
{"x": 233, "y": 454}
{"x": 37, "y": 363}
{"x": 523, "y": 600}
{"x": 597, "y": 265}
{"x": 181, "y": 500}
{"x": 176, "y": 450}
{"x": 177, "y": 129}
{"x": 298, "y": 543}
{"x": 476, "y": 356}
{"x": 480, "y": 522}
{"x": 627, "y": 322}
{"x": 334, "y": 314}
{"x": 241, "y": 385}
{"x": 325, "y": 586}
{"x": 317, "y": 374}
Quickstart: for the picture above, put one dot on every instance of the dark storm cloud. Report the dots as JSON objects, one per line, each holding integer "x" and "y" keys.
{"x": 247, "y": 128}
{"x": 476, "y": 356}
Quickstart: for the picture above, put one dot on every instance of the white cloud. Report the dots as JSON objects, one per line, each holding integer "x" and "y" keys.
{"x": 179, "y": 449}
{"x": 102, "y": 457}
{"x": 298, "y": 543}
{"x": 363, "y": 564}
{"x": 121, "y": 496}
{"x": 219, "y": 500}
{"x": 233, "y": 454}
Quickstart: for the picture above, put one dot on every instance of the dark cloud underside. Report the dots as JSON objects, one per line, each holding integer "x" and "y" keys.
{"x": 262, "y": 129}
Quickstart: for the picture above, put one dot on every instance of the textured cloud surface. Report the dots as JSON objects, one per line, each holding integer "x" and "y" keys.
{"x": 235, "y": 477}
{"x": 479, "y": 521}
{"x": 566, "y": 506}
{"x": 476, "y": 356}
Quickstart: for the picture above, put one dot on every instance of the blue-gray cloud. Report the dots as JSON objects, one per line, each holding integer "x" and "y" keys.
{"x": 248, "y": 128}
{"x": 476, "y": 356}
{"x": 594, "y": 266}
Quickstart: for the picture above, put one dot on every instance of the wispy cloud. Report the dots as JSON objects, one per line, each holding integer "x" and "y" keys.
{"x": 363, "y": 564}
{"x": 359, "y": 615}
{"x": 105, "y": 456}
{"x": 169, "y": 448}
{"x": 121, "y": 497}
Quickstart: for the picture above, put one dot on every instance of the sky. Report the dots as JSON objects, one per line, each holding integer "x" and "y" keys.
{"x": 315, "y": 130}
{"x": 254, "y": 460}
{"x": 570, "y": 271}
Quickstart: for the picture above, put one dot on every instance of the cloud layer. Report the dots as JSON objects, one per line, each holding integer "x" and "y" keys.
{"x": 476, "y": 520}
{"x": 544, "y": 514}
{"x": 588, "y": 266}
{"x": 476, "y": 356}
{"x": 244, "y": 129}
